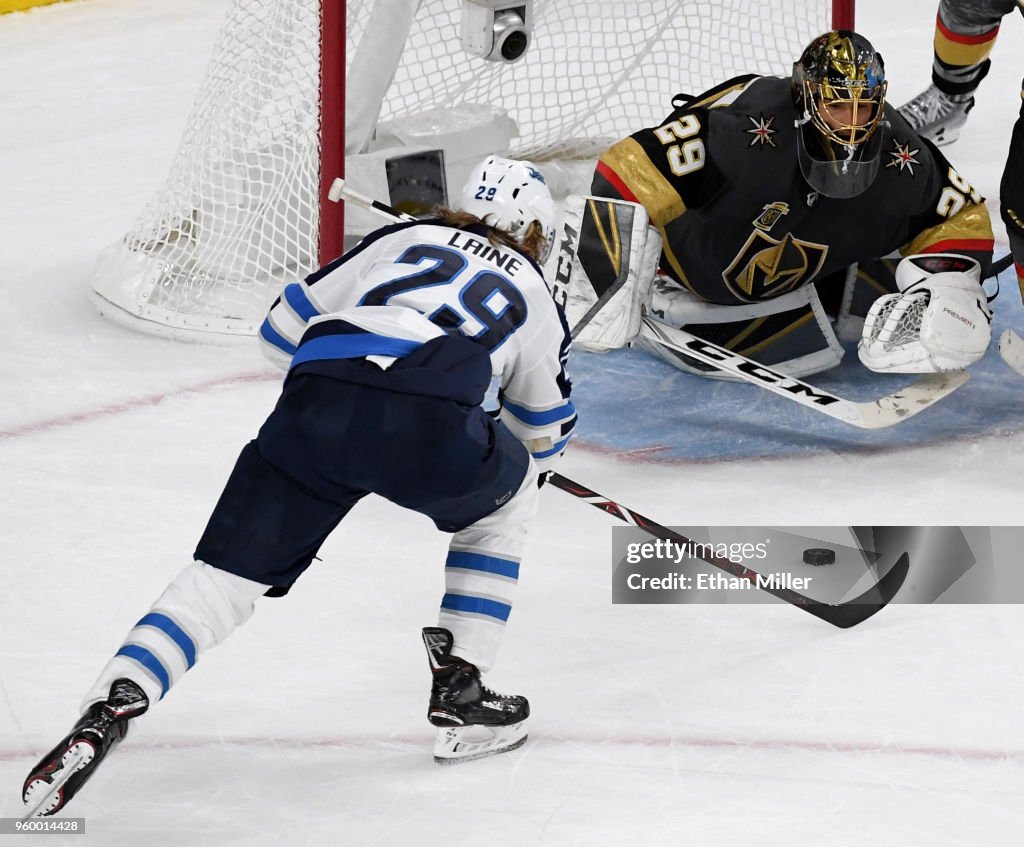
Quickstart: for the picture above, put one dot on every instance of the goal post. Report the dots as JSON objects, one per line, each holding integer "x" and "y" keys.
{"x": 298, "y": 92}
{"x": 332, "y": 128}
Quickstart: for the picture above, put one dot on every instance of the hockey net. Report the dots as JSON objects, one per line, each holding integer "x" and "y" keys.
{"x": 240, "y": 213}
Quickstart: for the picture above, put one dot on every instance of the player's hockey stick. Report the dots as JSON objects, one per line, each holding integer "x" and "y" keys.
{"x": 843, "y": 615}
{"x": 340, "y": 191}
{"x": 1011, "y": 348}
{"x": 874, "y": 414}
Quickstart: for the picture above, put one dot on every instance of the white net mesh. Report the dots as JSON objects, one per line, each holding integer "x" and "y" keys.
{"x": 238, "y": 216}
{"x": 596, "y": 70}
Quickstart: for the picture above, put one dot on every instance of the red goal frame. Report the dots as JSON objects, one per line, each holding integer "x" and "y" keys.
{"x": 332, "y": 114}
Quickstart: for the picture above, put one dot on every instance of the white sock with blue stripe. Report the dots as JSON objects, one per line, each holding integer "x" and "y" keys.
{"x": 481, "y": 574}
{"x": 198, "y": 610}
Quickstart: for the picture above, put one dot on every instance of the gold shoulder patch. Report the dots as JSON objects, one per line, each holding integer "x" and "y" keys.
{"x": 650, "y": 187}
{"x": 970, "y": 228}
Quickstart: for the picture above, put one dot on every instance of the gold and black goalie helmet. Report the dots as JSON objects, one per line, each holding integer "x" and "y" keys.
{"x": 839, "y": 92}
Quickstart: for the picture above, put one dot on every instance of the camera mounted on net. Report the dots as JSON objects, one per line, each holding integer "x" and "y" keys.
{"x": 497, "y": 30}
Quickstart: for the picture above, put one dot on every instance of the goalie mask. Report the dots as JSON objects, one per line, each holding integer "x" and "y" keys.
{"x": 839, "y": 92}
{"x": 510, "y": 194}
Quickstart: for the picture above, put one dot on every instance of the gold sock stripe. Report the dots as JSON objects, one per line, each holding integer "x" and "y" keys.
{"x": 874, "y": 283}
{"x": 963, "y": 50}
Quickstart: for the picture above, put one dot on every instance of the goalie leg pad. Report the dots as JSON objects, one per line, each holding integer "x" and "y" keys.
{"x": 602, "y": 272}
{"x": 792, "y": 334}
{"x": 864, "y": 284}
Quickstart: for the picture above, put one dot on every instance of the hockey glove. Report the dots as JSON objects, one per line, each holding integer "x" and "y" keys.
{"x": 940, "y": 320}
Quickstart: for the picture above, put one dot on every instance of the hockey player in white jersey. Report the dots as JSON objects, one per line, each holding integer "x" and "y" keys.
{"x": 390, "y": 350}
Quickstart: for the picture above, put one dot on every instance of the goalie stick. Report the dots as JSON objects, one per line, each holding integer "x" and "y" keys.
{"x": 873, "y": 414}
{"x": 842, "y": 615}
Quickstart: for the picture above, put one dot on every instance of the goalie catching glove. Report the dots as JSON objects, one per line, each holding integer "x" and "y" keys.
{"x": 940, "y": 320}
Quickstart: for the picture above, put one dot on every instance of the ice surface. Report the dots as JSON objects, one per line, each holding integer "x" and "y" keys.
{"x": 659, "y": 725}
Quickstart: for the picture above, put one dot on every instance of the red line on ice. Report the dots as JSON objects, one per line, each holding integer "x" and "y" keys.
{"x": 978, "y": 754}
{"x": 132, "y": 405}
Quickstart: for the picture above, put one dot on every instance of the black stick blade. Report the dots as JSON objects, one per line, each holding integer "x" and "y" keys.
{"x": 842, "y": 615}
{"x": 872, "y": 601}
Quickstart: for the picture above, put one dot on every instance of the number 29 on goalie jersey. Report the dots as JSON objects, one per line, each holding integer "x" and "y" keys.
{"x": 460, "y": 282}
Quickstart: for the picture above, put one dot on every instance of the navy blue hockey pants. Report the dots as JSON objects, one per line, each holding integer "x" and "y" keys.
{"x": 327, "y": 444}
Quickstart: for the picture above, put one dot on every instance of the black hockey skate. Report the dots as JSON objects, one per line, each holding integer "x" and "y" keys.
{"x": 472, "y": 720}
{"x": 67, "y": 767}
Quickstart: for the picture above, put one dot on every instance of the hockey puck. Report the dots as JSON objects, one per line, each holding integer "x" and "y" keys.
{"x": 819, "y": 556}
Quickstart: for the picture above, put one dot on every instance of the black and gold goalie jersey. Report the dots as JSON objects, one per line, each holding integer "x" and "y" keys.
{"x": 721, "y": 179}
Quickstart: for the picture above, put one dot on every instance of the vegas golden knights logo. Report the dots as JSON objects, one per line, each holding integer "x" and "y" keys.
{"x": 771, "y": 215}
{"x": 766, "y": 267}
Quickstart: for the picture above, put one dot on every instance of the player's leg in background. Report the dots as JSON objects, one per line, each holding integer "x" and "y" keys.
{"x": 1011, "y": 195}
{"x": 965, "y": 33}
{"x": 467, "y": 472}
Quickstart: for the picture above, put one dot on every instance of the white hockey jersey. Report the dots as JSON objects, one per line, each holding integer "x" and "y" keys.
{"x": 459, "y": 281}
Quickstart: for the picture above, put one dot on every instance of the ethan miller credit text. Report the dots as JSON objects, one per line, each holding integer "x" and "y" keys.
{"x": 716, "y": 581}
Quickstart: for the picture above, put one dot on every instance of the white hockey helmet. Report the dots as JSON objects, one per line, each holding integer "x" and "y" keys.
{"x": 510, "y": 194}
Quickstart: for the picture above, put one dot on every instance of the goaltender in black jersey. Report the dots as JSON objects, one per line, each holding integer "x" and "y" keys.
{"x": 765, "y": 190}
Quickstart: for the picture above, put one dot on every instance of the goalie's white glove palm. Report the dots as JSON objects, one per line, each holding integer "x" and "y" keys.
{"x": 940, "y": 320}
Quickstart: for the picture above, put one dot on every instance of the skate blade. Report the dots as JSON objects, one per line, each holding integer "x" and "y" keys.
{"x": 944, "y": 136}
{"x": 455, "y": 745}
{"x": 44, "y": 795}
